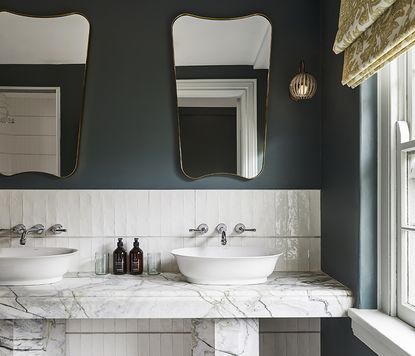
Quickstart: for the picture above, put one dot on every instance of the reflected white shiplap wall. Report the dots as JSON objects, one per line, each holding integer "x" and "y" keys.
{"x": 287, "y": 220}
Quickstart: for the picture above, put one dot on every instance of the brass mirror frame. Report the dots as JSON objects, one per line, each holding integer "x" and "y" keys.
{"x": 78, "y": 143}
{"x": 266, "y": 99}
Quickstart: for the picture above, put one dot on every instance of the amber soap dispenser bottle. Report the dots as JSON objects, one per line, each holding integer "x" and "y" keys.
{"x": 136, "y": 258}
{"x": 120, "y": 258}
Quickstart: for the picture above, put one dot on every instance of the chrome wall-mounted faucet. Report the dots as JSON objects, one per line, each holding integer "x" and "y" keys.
{"x": 56, "y": 229}
{"x": 21, "y": 230}
{"x": 240, "y": 228}
{"x": 201, "y": 229}
{"x": 221, "y": 229}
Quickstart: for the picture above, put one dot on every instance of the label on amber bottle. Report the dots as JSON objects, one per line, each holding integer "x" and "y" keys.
{"x": 135, "y": 264}
{"x": 119, "y": 264}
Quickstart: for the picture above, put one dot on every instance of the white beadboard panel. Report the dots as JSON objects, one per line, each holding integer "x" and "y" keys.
{"x": 167, "y": 337}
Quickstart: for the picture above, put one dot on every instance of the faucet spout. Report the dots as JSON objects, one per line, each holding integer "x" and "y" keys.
{"x": 23, "y": 238}
{"x": 223, "y": 241}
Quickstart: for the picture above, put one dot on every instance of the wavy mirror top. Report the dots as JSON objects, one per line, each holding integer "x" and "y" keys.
{"x": 222, "y": 76}
{"x": 42, "y": 81}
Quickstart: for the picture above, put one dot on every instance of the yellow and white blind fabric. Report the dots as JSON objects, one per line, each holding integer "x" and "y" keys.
{"x": 371, "y": 33}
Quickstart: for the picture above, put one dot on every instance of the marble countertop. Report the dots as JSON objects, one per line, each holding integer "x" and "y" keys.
{"x": 85, "y": 295}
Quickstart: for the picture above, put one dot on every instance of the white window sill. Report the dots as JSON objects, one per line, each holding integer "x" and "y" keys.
{"x": 385, "y": 335}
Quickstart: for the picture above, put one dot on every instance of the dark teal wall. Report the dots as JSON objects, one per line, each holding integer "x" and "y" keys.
{"x": 348, "y": 192}
{"x": 129, "y": 137}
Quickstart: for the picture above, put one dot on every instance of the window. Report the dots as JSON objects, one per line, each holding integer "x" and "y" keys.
{"x": 397, "y": 187}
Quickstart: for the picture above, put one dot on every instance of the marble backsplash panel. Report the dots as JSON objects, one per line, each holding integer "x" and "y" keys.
{"x": 288, "y": 220}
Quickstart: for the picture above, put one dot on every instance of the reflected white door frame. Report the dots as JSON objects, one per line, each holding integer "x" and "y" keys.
{"x": 244, "y": 93}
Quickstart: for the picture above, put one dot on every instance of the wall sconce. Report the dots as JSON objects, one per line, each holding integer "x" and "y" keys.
{"x": 303, "y": 86}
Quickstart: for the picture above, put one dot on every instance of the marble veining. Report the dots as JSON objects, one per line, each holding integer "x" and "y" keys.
{"x": 222, "y": 337}
{"x": 84, "y": 295}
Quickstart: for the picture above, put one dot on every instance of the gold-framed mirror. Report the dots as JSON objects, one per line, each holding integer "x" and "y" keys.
{"x": 222, "y": 69}
{"x": 43, "y": 64}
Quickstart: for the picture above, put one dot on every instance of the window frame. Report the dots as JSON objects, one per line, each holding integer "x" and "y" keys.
{"x": 394, "y": 143}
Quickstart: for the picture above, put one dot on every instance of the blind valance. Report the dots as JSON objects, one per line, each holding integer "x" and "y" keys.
{"x": 391, "y": 33}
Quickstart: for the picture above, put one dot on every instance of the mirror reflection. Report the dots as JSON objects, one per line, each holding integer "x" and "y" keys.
{"x": 42, "y": 81}
{"x": 222, "y": 70}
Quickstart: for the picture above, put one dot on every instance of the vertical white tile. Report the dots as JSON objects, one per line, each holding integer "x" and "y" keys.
{"x": 120, "y": 325}
{"x": 144, "y": 345}
{"x": 264, "y": 213}
{"x": 292, "y": 344}
{"x": 97, "y": 345}
{"x": 34, "y": 207}
{"x": 177, "y": 325}
{"x": 268, "y": 345}
{"x": 177, "y": 212}
{"x": 155, "y": 325}
{"x": 131, "y": 325}
{"x": 132, "y": 199}
{"x": 143, "y": 325}
{"x": 108, "y": 211}
{"x": 109, "y": 345}
{"x": 155, "y": 345}
{"x": 303, "y": 340}
{"x": 85, "y": 213}
{"x": 166, "y": 325}
{"x": 315, "y": 212}
{"x": 178, "y": 346}
{"x": 281, "y": 246}
{"x": 16, "y": 207}
{"x": 314, "y": 344}
{"x": 86, "y": 325}
{"x": 73, "y": 325}
{"x": 315, "y": 254}
{"x": 120, "y": 345}
{"x": 154, "y": 213}
{"x": 120, "y": 213}
{"x": 187, "y": 344}
{"x": 109, "y": 325}
{"x": 97, "y": 325}
{"x": 281, "y": 344}
{"x": 73, "y": 345}
{"x": 166, "y": 345}
{"x": 132, "y": 345}
{"x": 86, "y": 345}
{"x": 69, "y": 211}
{"x": 5, "y": 209}
{"x": 207, "y": 210}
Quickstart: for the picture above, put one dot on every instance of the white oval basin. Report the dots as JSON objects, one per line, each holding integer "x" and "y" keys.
{"x": 29, "y": 266}
{"x": 226, "y": 265}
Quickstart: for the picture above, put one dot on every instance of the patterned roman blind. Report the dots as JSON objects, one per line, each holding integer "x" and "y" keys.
{"x": 372, "y": 33}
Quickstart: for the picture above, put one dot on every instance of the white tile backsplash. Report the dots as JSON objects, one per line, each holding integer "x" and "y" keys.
{"x": 288, "y": 220}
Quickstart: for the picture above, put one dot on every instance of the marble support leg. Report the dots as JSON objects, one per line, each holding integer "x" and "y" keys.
{"x": 32, "y": 337}
{"x": 224, "y": 337}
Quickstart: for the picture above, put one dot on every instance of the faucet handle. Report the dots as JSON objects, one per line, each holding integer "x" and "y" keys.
{"x": 221, "y": 228}
{"x": 57, "y": 229}
{"x": 240, "y": 228}
{"x": 37, "y": 229}
{"x": 18, "y": 229}
{"x": 202, "y": 229}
